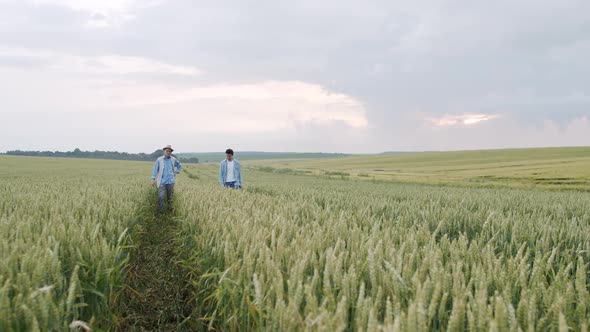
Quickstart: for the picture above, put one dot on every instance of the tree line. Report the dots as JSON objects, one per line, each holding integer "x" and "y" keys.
{"x": 115, "y": 155}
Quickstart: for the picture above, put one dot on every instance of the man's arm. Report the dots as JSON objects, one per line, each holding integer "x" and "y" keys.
{"x": 155, "y": 173}
{"x": 239, "y": 174}
{"x": 220, "y": 172}
{"x": 156, "y": 169}
{"x": 178, "y": 167}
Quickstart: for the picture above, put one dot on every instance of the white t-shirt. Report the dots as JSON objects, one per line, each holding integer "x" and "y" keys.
{"x": 230, "y": 176}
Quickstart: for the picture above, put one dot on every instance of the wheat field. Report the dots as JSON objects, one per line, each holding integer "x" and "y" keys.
{"x": 294, "y": 252}
{"x": 64, "y": 228}
{"x": 303, "y": 253}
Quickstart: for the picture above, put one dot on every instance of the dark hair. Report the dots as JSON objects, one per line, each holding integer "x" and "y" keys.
{"x": 229, "y": 151}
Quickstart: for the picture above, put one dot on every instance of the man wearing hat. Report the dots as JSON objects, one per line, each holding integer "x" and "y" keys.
{"x": 163, "y": 177}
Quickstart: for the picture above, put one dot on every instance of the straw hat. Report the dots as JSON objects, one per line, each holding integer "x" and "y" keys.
{"x": 168, "y": 147}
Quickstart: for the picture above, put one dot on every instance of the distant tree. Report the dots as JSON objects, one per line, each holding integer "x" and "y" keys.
{"x": 77, "y": 153}
{"x": 156, "y": 154}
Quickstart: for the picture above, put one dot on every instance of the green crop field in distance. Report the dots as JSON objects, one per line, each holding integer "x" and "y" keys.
{"x": 546, "y": 168}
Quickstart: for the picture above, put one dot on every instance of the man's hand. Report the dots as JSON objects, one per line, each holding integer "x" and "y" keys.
{"x": 154, "y": 183}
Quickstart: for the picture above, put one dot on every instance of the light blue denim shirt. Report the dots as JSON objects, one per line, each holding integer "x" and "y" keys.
{"x": 168, "y": 176}
{"x": 237, "y": 172}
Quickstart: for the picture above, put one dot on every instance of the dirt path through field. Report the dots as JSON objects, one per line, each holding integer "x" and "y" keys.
{"x": 156, "y": 297}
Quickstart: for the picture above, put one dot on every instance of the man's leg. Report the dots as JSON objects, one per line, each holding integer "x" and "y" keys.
{"x": 170, "y": 193}
{"x": 161, "y": 193}
{"x": 229, "y": 184}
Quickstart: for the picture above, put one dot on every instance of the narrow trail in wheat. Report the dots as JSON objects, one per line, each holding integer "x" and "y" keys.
{"x": 156, "y": 296}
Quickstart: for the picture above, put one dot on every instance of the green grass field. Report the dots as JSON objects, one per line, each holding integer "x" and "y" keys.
{"x": 216, "y": 157}
{"x": 80, "y": 244}
{"x": 546, "y": 168}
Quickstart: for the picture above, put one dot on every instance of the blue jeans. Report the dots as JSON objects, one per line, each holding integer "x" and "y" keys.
{"x": 231, "y": 185}
{"x": 165, "y": 190}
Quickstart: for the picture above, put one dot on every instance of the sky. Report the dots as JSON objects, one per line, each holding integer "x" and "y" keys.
{"x": 303, "y": 76}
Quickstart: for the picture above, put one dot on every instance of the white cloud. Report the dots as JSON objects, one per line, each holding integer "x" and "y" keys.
{"x": 91, "y": 5}
{"x": 117, "y": 64}
{"x": 108, "y": 84}
{"x": 239, "y": 108}
{"x": 106, "y": 7}
{"x": 102, "y": 13}
{"x": 463, "y": 120}
{"x": 99, "y": 65}
{"x": 261, "y": 105}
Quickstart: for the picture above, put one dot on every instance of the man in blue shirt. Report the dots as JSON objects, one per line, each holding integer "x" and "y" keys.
{"x": 230, "y": 171}
{"x": 164, "y": 175}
